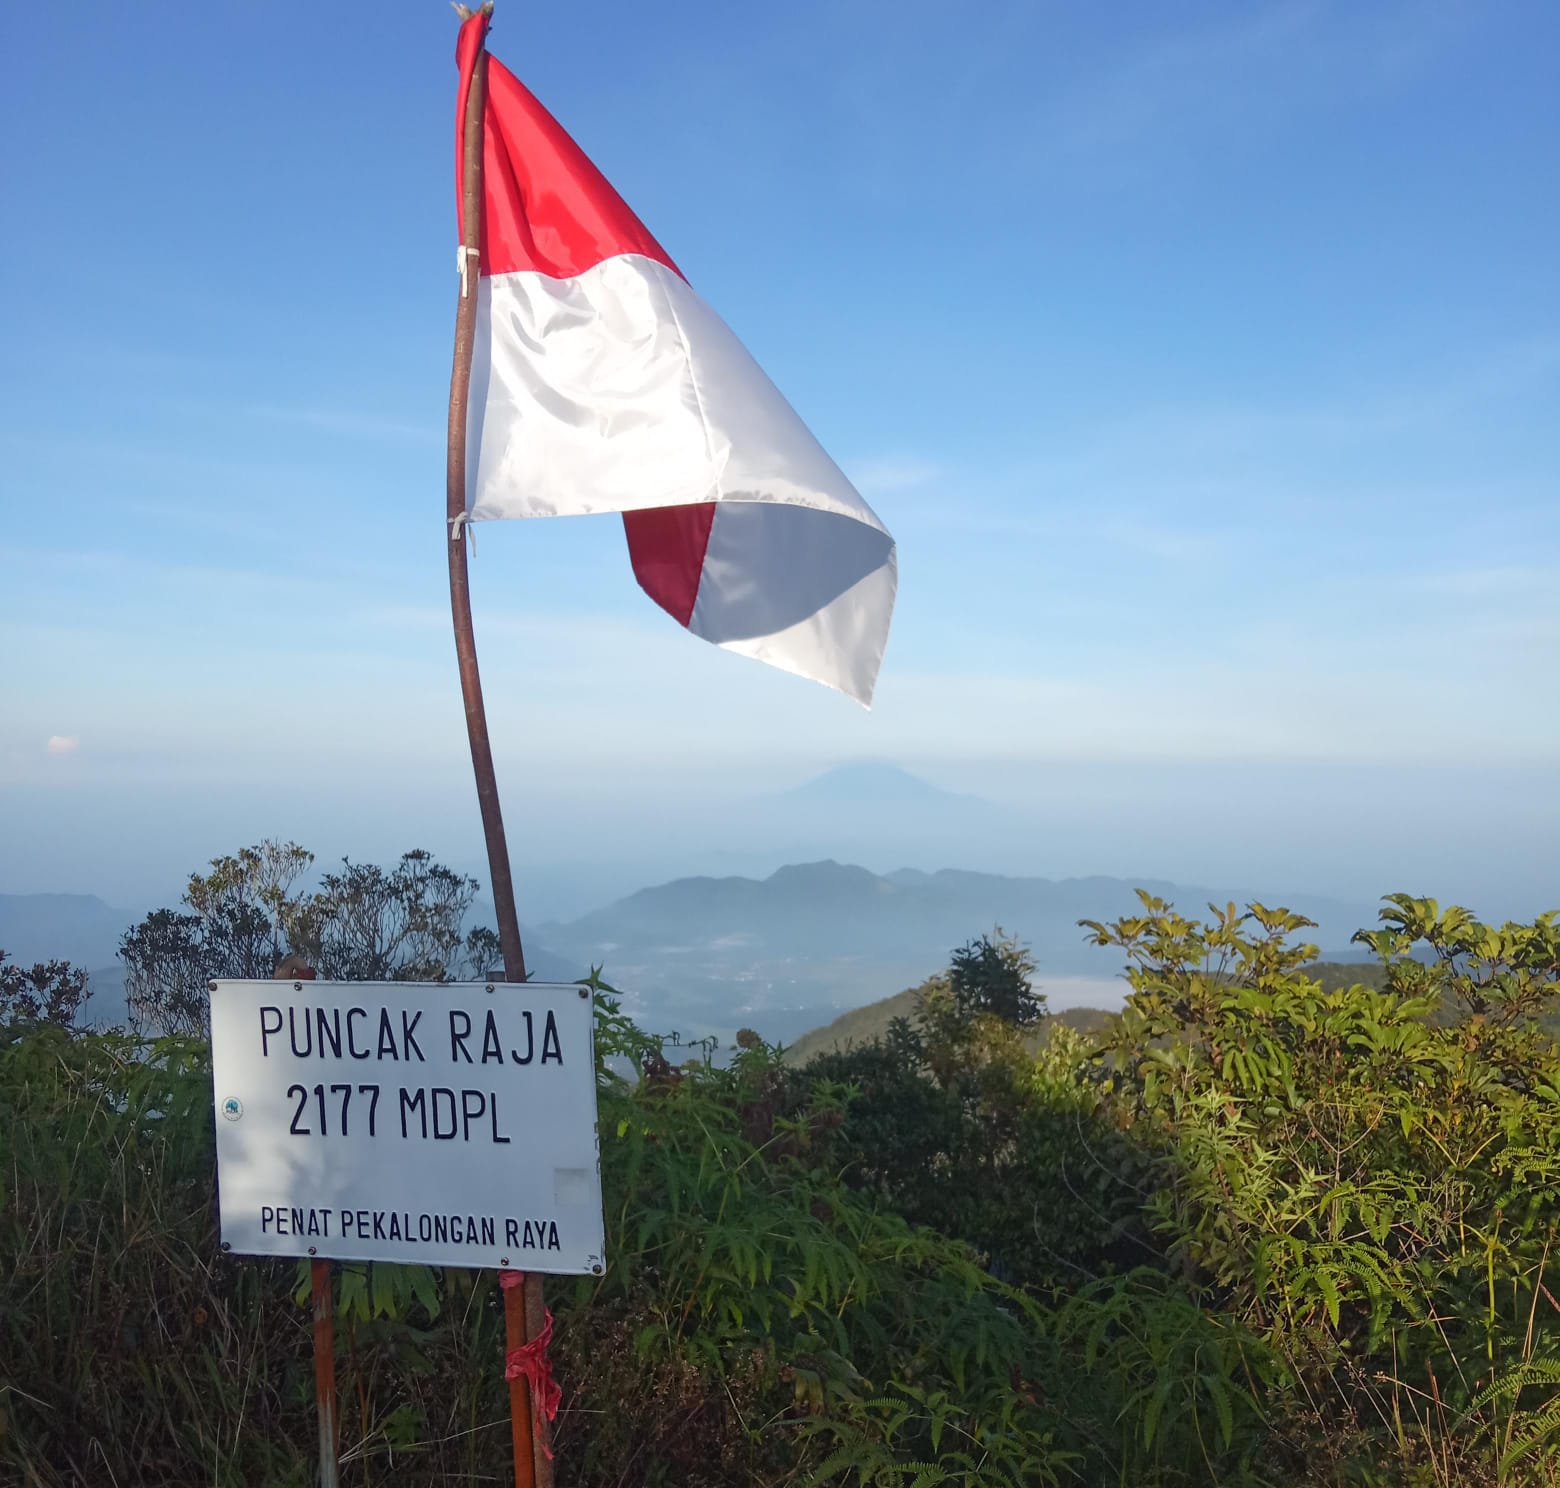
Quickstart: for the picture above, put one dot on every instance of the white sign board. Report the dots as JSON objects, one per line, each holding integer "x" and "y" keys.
{"x": 449, "y": 1124}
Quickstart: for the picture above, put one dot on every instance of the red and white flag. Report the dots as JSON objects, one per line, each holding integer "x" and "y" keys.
{"x": 602, "y": 383}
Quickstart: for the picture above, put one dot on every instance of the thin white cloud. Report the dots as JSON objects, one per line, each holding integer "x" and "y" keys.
{"x": 63, "y": 744}
{"x": 343, "y": 421}
{"x": 1297, "y": 54}
{"x": 106, "y": 563}
{"x": 884, "y": 475}
{"x": 1170, "y": 76}
{"x": 1510, "y": 582}
{"x": 1359, "y": 413}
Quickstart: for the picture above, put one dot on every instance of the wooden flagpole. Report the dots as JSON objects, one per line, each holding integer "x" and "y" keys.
{"x": 533, "y": 1468}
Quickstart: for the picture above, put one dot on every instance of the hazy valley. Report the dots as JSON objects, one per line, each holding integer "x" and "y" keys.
{"x": 786, "y": 950}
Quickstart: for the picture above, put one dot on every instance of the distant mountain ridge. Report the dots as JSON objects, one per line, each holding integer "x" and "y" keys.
{"x": 79, "y": 928}
{"x": 859, "y": 911}
{"x": 789, "y": 951}
{"x": 784, "y": 952}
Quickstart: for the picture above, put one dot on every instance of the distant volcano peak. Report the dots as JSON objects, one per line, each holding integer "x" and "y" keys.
{"x": 859, "y": 781}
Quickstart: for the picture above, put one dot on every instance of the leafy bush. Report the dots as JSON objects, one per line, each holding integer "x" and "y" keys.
{"x": 45, "y": 992}
{"x": 1265, "y": 1228}
{"x": 1368, "y": 1180}
{"x": 956, "y": 1122}
{"x": 242, "y": 917}
{"x": 1357, "y": 1187}
{"x": 758, "y": 1322}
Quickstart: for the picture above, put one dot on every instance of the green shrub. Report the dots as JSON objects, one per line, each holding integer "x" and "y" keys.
{"x": 756, "y": 1319}
{"x": 1369, "y": 1180}
{"x": 1262, "y": 1229}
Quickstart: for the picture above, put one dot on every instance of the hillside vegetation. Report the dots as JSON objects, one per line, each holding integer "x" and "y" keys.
{"x": 1254, "y": 1231}
{"x": 870, "y": 1024}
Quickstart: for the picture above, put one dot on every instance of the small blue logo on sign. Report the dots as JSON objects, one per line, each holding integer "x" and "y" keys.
{"x": 232, "y": 1108}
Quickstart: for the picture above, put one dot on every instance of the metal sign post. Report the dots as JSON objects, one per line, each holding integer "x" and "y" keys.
{"x": 443, "y": 1124}
{"x": 325, "y": 1374}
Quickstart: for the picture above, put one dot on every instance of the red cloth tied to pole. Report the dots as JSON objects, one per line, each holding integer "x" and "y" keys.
{"x": 532, "y": 1363}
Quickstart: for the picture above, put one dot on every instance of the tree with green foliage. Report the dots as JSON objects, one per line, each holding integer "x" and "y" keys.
{"x": 959, "y": 1122}
{"x": 995, "y": 975}
{"x": 46, "y": 992}
{"x": 241, "y": 917}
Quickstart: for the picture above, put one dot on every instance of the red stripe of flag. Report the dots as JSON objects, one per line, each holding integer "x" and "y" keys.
{"x": 546, "y": 207}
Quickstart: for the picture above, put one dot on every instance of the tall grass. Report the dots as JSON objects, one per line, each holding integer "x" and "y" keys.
{"x": 1258, "y": 1232}
{"x": 755, "y": 1318}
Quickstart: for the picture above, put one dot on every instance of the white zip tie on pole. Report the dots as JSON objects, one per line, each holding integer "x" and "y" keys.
{"x": 462, "y": 522}
{"x": 463, "y": 256}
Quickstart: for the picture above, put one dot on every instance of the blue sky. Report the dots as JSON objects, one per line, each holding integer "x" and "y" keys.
{"x": 1204, "y": 361}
